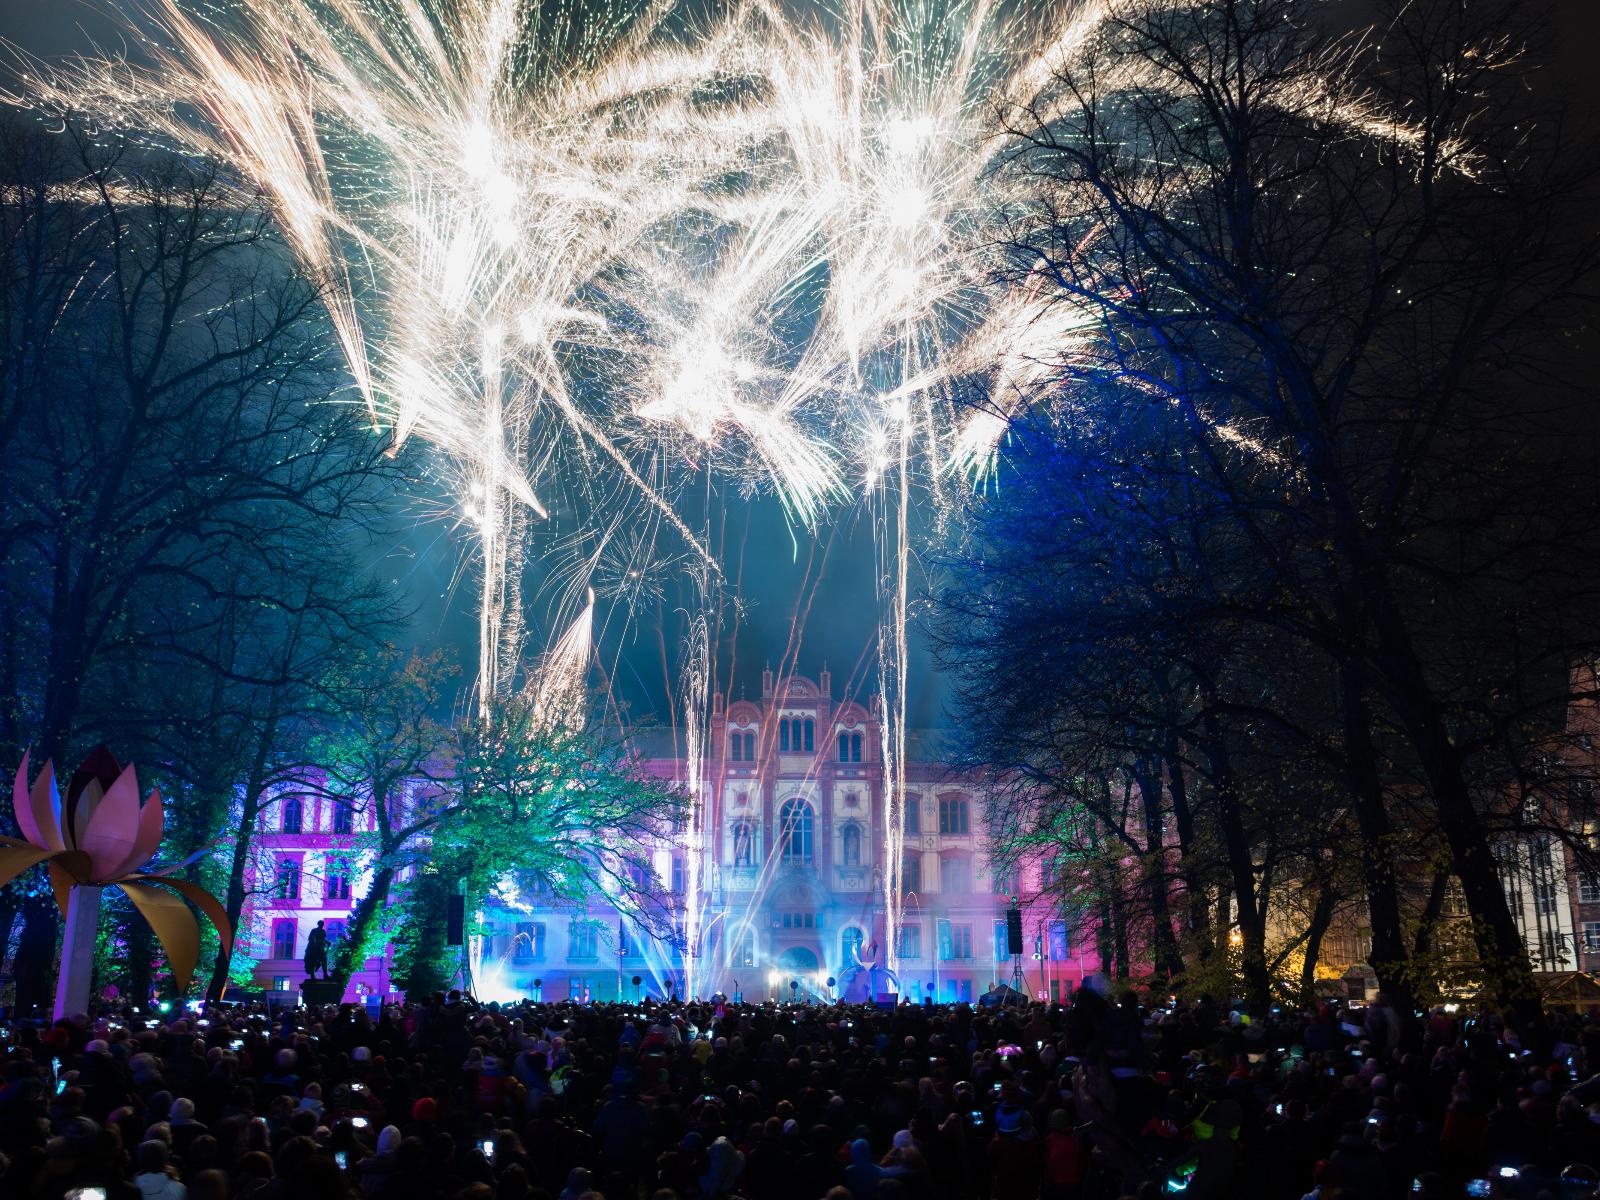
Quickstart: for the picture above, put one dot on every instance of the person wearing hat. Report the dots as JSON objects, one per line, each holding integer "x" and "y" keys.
{"x": 1016, "y": 1153}
{"x": 378, "y": 1169}
{"x": 1064, "y": 1159}
{"x": 156, "y": 1179}
{"x": 724, "y": 1163}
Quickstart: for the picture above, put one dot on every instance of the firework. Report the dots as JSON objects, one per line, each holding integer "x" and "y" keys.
{"x": 592, "y": 253}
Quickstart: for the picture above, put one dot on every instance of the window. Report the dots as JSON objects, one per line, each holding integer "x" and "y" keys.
{"x": 743, "y": 844}
{"x": 1544, "y": 897}
{"x": 741, "y": 746}
{"x": 799, "y": 920}
{"x": 336, "y": 884}
{"x": 913, "y": 823}
{"x": 744, "y": 951}
{"x": 1591, "y": 936}
{"x": 797, "y": 735}
{"x": 1553, "y": 952}
{"x": 750, "y": 747}
{"x": 335, "y": 932}
{"x": 283, "y": 938}
{"x": 852, "y": 845}
{"x": 794, "y": 831}
{"x": 288, "y": 882}
{"x": 1049, "y": 875}
{"x": 911, "y": 872}
{"x": 639, "y": 875}
{"x": 850, "y": 946}
{"x": 1006, "y": 882}
{"x": 1060, "y": 944}
{"x": 849, "y": 746}
{"x": 955, "y": 874}
{"x": 844, "y": 747}
{"x": 953, "y": 814}
{"x": 343, "y": 819}
{"x": 527, "y": 944}
{"x": 680, "y": 880}
{"x": 1001, "y": 943}
{"x": 293, "y": 815}
{"x": 908, "y": 941}
{"x": 583, "y": 940}
{"x": 280, "y": 983}
{"x": 955, "y": 941}
{"x": 1588, "y": 888}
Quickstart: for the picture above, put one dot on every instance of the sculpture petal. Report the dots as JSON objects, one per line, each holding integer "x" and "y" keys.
{"x": 148, "y": 838}
{"x": 201, "y": 899}
{"x": 111, "y": 827}
{"x": 173, "y": 924}
{"x": 90, "y": 782}
{"x": 38, "y": 809}
{"x": 14, "y": 860}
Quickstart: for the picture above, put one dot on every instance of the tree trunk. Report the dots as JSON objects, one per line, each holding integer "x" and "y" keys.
{"x": 363, "y": 918}
{"x": 1183, "y": 824}
{"x": 1321, "y": 919}
{"x": 233, "y": 902}
{"x": 1501, "y": 949}
{"x": 1168, "y": 962}
{"x": 36, "y": 955}
{"x": 1241, "y": 871}
{"x": 141, "y": 948}
{"x": 1432, "y": 908}
{"x": 1102, "y": 931}
{"x": 1387, "y": 956}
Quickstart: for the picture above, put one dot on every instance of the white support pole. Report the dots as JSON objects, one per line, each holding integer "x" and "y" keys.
{"x": 77, "y": 952}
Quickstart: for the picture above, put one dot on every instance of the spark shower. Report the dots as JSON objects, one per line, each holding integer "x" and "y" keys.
{"x": 597, "y": 254}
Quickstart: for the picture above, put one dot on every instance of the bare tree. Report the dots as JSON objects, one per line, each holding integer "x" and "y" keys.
{"x": 1338, "y": 268}
{"x": 171, "y": 452}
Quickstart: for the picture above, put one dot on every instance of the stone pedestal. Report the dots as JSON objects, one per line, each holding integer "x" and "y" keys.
{"x": 318, "y": 992}
{"x": 77, "y": 952}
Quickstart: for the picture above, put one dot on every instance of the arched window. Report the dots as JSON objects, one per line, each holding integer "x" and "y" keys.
{"x": 750, "y": 747}
{"x": 783, "y": 736}
{"x": 849, "y": 746}
{"x": 855, "y": 747}
{"x": 293, "y": 815}
{"x": 744, "y": 839}
{"x": 913, "y": 814}
{"x": 844, "y": 746}
{"x": 955, "y": 874}
{"x": 850, "y": 947}
{"x": 852, "y": 845}
{"x": 343, "y": 819}
{"x": 735, "y": 745}
{"x": 953, "y": 814}
{"x": 911, "y": 871}
{"x": 794, "y": 831}
{"x": 811, "y": 735}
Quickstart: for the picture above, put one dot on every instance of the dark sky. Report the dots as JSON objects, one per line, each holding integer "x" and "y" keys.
{"x": 771, "y": 566}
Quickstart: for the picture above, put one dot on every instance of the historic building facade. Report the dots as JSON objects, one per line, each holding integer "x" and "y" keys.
{"x": 791, "y": 887}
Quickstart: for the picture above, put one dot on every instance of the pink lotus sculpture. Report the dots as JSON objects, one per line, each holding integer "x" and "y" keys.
{"x": 103, "y": 837}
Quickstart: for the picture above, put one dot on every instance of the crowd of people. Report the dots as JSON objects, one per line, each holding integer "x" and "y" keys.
{"x": 1104, "y": 1097}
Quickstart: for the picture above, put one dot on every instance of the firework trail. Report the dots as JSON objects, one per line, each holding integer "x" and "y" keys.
{"x": 592, "y": 253}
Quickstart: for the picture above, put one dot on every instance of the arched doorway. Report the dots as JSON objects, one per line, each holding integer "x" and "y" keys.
{"x": 798, "y": 962}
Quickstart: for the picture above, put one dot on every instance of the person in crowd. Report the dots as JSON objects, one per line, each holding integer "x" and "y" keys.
{"x": 1111, "y": 1095}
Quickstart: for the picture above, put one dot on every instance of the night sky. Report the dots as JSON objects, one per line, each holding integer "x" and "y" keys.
{"x": 770, "y": 563}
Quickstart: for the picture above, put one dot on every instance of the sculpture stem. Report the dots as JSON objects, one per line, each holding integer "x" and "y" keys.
{"x": 77, "y": 951}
